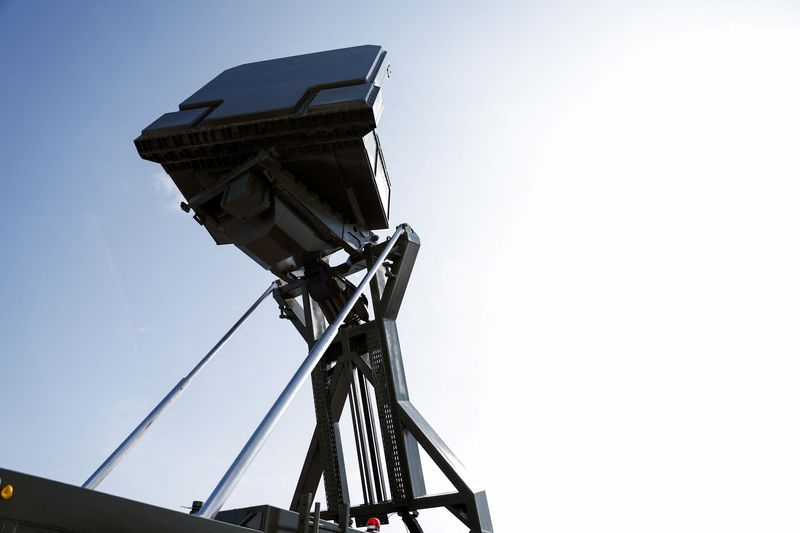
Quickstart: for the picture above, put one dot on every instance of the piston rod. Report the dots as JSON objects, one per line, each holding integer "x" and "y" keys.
{"x": 240, "y": 465}
{"x": 112, "y": 461}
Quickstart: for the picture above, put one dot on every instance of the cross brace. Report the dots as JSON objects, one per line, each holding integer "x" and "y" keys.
{"x": 364, "y": 365}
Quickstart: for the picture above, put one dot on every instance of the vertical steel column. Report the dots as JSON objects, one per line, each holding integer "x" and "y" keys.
{"x": 403, "y": 465}
{"x": 372, "y": 439}
{"x": 118, "y": 454}
{"x": 322, "y": 385}
{"x": 359, "y": 429}
{"x": 228, "y": 482}
{"x": 335, "y": 476}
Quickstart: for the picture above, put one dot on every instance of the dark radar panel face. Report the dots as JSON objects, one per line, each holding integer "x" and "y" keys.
{"x": 281, "y": 157}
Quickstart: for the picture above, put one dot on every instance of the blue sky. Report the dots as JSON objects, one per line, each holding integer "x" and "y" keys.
{"x": 603, "y": 318}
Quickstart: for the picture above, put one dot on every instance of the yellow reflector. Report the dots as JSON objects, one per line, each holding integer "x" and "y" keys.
{"x": 7, "y": 492}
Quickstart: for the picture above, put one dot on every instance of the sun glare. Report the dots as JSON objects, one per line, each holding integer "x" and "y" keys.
{"x": 660, "y": 307}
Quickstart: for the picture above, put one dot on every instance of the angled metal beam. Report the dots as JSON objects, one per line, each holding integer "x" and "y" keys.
{"x": 294, "y": 312}
{"x": 311, "y": 472}
{"x": 399, "y": 276}
{"x": 362, "y": 366}
{"x": 436, "y": 448}
{"x": 460, "y": 511}
{"x": 117, "y": 455}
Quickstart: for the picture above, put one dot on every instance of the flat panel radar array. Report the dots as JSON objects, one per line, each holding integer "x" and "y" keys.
{"x": 281, "y": 159}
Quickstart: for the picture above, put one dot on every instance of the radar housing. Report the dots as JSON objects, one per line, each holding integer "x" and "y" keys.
{"x": 281, "y": 157}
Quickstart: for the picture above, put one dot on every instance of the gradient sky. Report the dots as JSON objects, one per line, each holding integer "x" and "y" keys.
{"x": 603, "y": 320}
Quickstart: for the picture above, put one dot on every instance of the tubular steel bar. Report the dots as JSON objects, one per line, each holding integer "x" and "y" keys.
{"x": 112, "y": 461}
{"x": 240, "y": 465}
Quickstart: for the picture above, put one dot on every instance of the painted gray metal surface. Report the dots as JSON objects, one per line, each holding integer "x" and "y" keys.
{"x": 42, "y": 505}
{"x": 130, "y": 441}
{"x": 277, "y": 86}
{"x": 315, "y": 116}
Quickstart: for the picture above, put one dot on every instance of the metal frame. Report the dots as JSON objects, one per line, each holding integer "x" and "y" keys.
{"x": 240, "y": 465}
{"x": 364, "y": 366}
